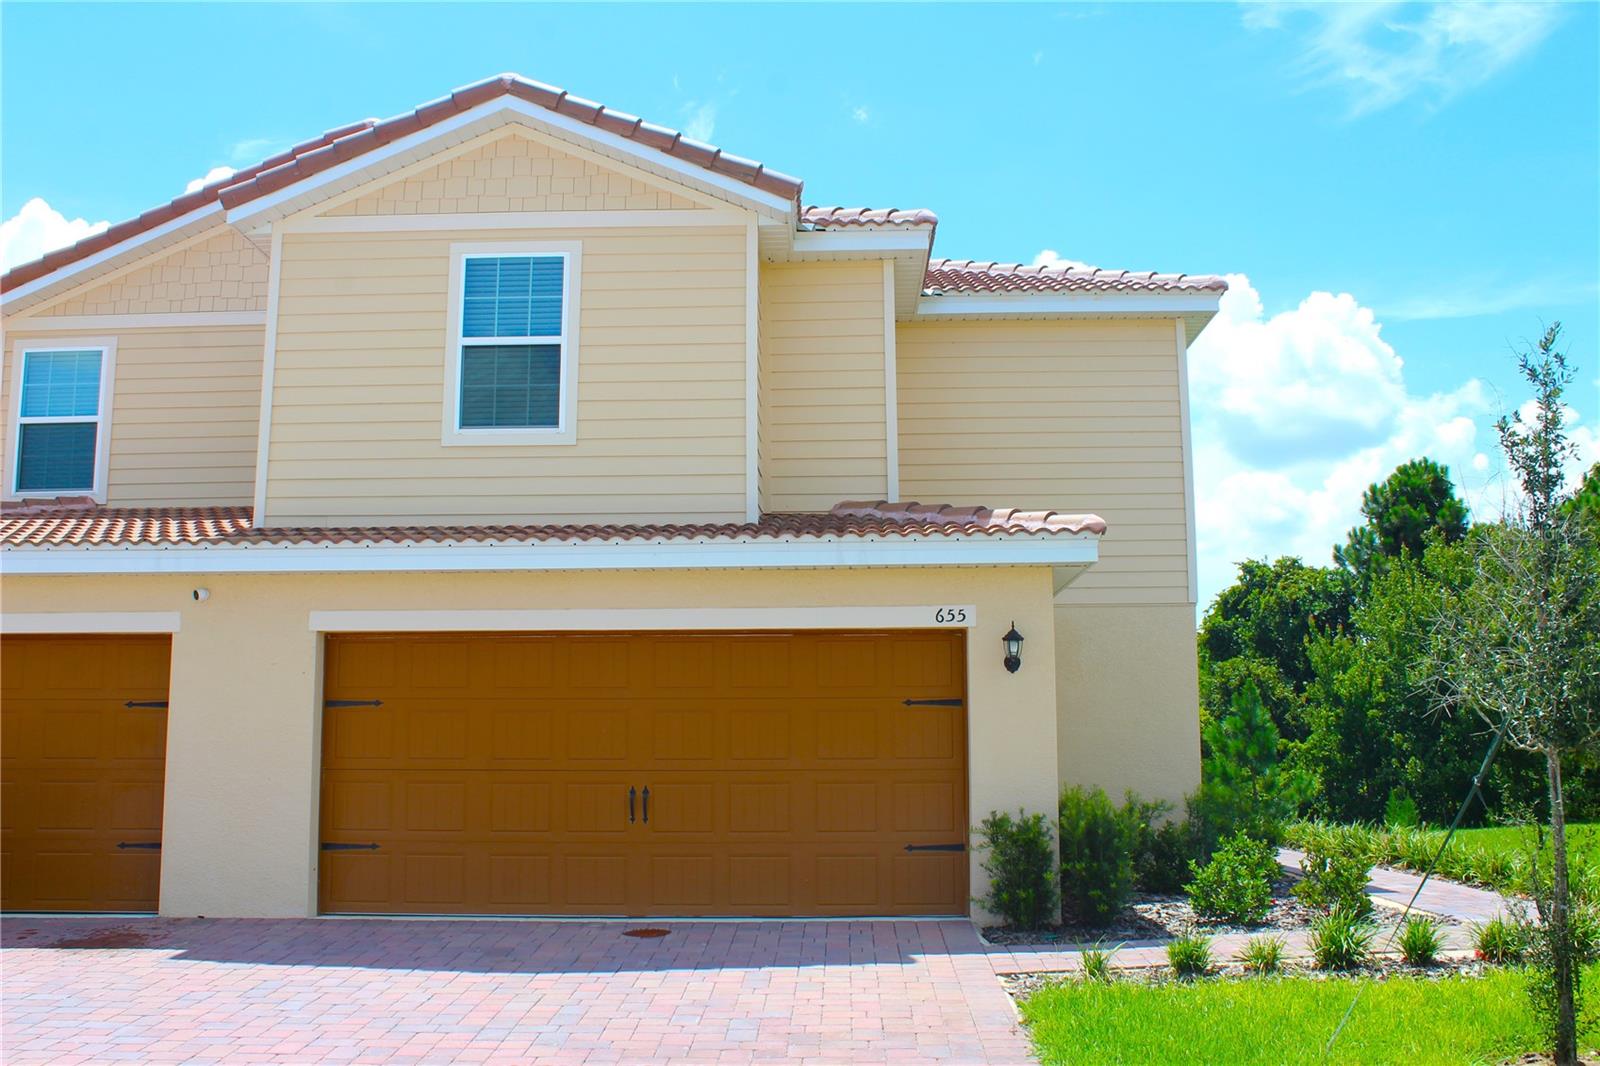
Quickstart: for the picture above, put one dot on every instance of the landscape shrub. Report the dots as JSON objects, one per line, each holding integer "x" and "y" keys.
{"x": 1262, "y": 954}
{"x": 1159, "y": 845}
{"x": 1341, "y": 940}
{"x": 1189, "y": 956}
{"x": 1096, "y": 859}
{"x": 1420, "y": 940}
{"x": 1236, "y": 885}
{"x": 1096, "y": 962}
{"x": 1501, "y": 941}
{"x": 1021, "y": 869}
{"x": 1335, "y": 867}
{"x": 1400, "y": 812}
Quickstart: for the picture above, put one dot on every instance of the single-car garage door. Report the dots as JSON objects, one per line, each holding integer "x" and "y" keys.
{"x": 645, "y": 774}
{"x": 83, "y": 742}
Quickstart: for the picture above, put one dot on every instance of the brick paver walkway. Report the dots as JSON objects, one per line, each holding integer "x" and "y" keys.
{"x": 237, "y": 991}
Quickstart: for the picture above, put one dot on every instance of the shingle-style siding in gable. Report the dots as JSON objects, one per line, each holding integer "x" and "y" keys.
{"x": 183, "y": 418}
{"x": 513, "y": 174}
{"x": 358, "y": 392}
{"x": 1073, "y": 416}
{"x": 224, "y": 272}
{"x": 822, "y": 405}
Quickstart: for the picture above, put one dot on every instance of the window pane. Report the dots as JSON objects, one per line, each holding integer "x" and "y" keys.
{"x": 512, "y": 296}
{"x": 61, "y": 384}
{"x": 56, "y": 456}
{"x": 506, "y": 386}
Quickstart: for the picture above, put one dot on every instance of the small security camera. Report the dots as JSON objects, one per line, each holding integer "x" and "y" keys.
{"x": 201, "y": 595}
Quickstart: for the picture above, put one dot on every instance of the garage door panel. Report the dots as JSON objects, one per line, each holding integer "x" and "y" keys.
{"x": 82, "y": 776}
{"x": 785, "y": 776}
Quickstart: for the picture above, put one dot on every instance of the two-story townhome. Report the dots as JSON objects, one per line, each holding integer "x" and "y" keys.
{"x": 500, "y": 509}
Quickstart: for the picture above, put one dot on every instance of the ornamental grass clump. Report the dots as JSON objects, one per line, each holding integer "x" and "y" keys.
{"x": 1420, "y": 940}
{"x": 1262, "y": 955}
{"x": 1341, "y": 940}
{"x": 1236, "y": 885}
{"x": 1189, "y": 956}
{"x": 1096, "y": 962}
{"x": 1501, "y": 941}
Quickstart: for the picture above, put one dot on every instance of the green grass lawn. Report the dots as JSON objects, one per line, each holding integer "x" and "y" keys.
{"x": 1497, "y": 856}
{"x": 1583, "y": 840}
{"x": 1271, "y": 1022}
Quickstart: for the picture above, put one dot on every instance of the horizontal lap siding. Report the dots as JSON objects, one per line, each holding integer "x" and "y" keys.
{"x": 359, "y": 385}
{"x": 822, "y": 396}
{"x": 1070, "y": 417}
{"x": 183, "y": 416}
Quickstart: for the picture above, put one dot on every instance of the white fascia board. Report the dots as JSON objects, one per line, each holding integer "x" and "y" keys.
{"x": 808, "y": 243}
{"x": 1060, "y": 303}
{"x": 66, "y": 273}
{"x": 285, "y": 200}
{"x": 1054, "y": 550}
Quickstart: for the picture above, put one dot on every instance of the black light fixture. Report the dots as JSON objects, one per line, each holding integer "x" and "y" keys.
{"x": 1013, "y": 642}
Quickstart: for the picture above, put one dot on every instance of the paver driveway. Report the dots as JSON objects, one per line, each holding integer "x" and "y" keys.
{"x": 208, "y": 990}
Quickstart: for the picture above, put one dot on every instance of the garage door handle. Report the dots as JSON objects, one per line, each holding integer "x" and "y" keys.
{"x": 142, "y": 845}
{"x": 327, "y": 846}
{"x": 936, "y": 847}
{"x": 933, "y": 703}
{"x": 145, "y": 703}
{"x": 633, "y": 794}
{"x": 647, "y": 805}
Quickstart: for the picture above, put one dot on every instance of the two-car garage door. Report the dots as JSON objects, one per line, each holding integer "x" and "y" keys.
{"x": 666, "y": 774}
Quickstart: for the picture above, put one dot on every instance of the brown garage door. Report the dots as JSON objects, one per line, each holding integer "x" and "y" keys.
{"x": 83, "y": 743}
{"x": 665, "y": 774}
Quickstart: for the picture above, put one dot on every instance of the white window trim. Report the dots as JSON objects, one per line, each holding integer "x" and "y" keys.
{"x": 107, "y": 347}
{"x": 566, "y": 430}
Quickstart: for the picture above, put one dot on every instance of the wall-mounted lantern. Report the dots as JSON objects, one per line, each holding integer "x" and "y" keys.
{"x": 1013, "y": 643}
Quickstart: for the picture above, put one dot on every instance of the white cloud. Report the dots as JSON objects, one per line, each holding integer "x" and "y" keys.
{"x": 213, "y": 175}
{"x": 860, "y": 114}
{"x": 253, "y": 150}
{"x": 1297, "y": 413}
{"x": 39, "y": 228}
{"x": 699, "y": 120}
{"x": 1383, "y": 53}
{"x": 1051, "y": 258}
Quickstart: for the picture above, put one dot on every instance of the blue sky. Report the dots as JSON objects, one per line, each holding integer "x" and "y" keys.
{"x": 1402, "y": 191}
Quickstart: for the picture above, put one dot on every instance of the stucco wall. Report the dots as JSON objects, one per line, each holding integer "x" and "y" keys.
{"x": 243, "y": 765}
{"x": 185, "y": 406}
{"x": 1129, "y": 700}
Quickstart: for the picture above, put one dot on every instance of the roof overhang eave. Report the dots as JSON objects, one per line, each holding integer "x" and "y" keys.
{"x": 1059, "y": 551}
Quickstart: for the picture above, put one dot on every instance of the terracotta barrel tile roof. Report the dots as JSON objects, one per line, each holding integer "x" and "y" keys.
{"x": 864, "y": 217}
{"x": 346, "y": 142}
{"x": 55, "y": 526}
{"x": 947, "y": 277}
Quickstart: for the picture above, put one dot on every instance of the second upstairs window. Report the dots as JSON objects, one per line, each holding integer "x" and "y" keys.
{"x": 514, "y": 360}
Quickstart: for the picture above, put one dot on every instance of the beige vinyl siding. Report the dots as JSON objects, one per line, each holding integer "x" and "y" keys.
{"x": 358, "y": 388}
{"x": 221, "y": 272}
{"x": 183, "y": 414}
{"x": 513, "y": 173}
{"x": 822, "y": 396}
{"x": 1069, "y": 416}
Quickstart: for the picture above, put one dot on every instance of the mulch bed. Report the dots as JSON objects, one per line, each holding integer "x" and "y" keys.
{"x": 1160, "y": 918}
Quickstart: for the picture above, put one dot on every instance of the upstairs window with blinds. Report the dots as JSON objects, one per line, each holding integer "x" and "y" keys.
{"x": 513, "y": 336}
{"x": 60, "y": 423}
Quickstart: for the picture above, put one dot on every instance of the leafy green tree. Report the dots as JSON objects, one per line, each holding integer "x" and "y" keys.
{"x": 1401, "y": 511}
{"x": 1256, "y": 631}
{"x": 1244, "y": 786}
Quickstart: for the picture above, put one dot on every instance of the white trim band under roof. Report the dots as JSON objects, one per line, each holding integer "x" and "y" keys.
{"x": 1054, "y": 550}
{"x": 1068, "y": 303}
{"x": 862, "y": 241}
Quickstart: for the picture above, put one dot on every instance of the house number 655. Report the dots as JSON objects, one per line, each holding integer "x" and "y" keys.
{"x": 950, "y": 614}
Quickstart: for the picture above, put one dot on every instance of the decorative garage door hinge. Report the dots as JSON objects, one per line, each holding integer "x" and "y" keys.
{"x": 934, "y": 703}
{"x": 936, "y": 847}
{"x": 145, "y": 703}
{"x": 141, "y": 845}
{"x": 330, "y": 846}
{"x": 352, "y": 703}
